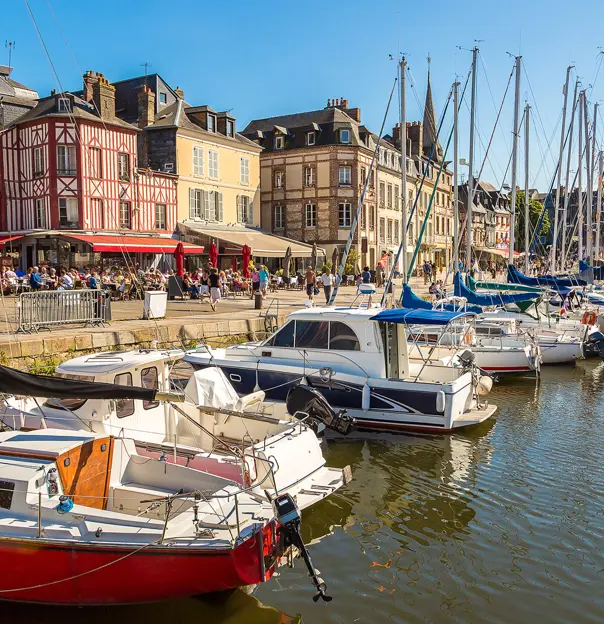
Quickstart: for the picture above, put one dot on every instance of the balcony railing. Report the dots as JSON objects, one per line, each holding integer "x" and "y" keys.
{"x": 62, "y": 171}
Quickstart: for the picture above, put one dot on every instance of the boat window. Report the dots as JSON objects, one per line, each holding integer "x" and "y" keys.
{"x": 284, "y": 337}
{"x": 68, "y": 404}
{"x": 7, "y": 488}
{"x": 124, "y": 407}
{"x": 149, "y": 380}
{"x": 342, "y": 337}
{"x": 180, "y": 373}
{"x": 312, "y": 334}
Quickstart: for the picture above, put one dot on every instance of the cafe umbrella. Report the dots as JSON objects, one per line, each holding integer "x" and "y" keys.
{"x": 246, "y": 254}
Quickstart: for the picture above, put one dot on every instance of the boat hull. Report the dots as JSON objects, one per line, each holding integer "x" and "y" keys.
{"x": 84, "y": 575}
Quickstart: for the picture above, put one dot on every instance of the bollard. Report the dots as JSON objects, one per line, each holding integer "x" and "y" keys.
{"x": 258, "y": 301}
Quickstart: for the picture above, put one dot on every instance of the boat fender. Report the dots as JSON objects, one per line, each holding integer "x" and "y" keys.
{"x": 366, "y": 398}
{"x": 484, "y": 385}
{"x": 65, "y": 504}
{"x": 440, "y": 402}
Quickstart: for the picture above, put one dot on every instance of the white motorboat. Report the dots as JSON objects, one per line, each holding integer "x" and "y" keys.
{"x": 358, "y": 358}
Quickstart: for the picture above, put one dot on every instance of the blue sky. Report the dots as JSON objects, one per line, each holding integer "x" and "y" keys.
{"x": 268, "y": 58}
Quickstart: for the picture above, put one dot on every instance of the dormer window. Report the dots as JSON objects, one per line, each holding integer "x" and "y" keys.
{"x": 230, "y": 128}
{"x": 211, "y": 123}
{"x": 64, "y": 105}
{"x": 310, "y": 138}
{"x": 344, "y": 136}
{"x": 163, "y": 97}
{"x": 279, "y": 142}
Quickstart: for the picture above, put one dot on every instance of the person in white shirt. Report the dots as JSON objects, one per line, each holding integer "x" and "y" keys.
{"x": 327, "y": 281}
{"x": 66, "y": 281}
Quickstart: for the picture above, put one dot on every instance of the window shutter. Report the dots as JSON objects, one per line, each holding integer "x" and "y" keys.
{"x": 239, "y": 216}
{"x": 206, "y": 205}
{"x": 251, "y": 215}
{"x": 192, "y": 203}
{"x": 220, "y": 214}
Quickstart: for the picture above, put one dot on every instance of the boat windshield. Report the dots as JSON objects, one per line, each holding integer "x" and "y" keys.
{"x": 68, "y": 404}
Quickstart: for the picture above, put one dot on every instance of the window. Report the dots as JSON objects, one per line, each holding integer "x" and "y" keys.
{"x": 342, "y": 337}
{"x": 38, "y": 162}
{"x": 66, "y": 160}
{"x": 123, "y": 167}
{"x": 279, "y": 142}
{"x": 344, "y": 135}
{"x": 390, "y": 196}
{"x": 312, "y": 334}
{"x": 311, "y": 215}
{"x": 309, "y": 177}
{"x": 160, "y": 216}
{"x": 213, "y": 163}
{"x": 396, "y": 232}
{"x": 372, "y": 218}
{"x": 124, "y": 407}
{"x": 389, "y": 235}
{"x": 163, "y": 97}
{"x": 397, "y": 197}
{"x": 64, "y": 105}
{"x": 245, "y": 171}
{"x": 310, "y": 138}
{"x": 344, "y": 215}
{"x": 245, "y": 210}
{"x": 96, "y": 163}
{"x": 40, "y": 214}
{"x": 212, "y": 206}
{"x": 195, "y": 203}
{"x": 363, "y": 217}
{"x": 149, "y": 380}
{"x": 198, "y": 161}
{"x": 279, "y": 179}
{"x": 125, "y": 222}
{"x": 211, "y": 123}
{"x": 382, "y": 194}
{"x": 68, "y": 212}
{"x": 382, "y": 230}
{"x": 345, "y": 176}
{"x": 363, "y": 175}
{"x": 7, "y": 489}
{"x": 284, "y": 337}
{"x": 230, "y": 128}
{"x": 96, "y": 206}
{"x": 279, "y": 221}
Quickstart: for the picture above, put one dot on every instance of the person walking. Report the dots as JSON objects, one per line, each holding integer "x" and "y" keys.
{"x": 264, "y": 276}
{"x": 214, "y": 288}
{"x": 255, "y": 281}
{"x": 311, "y": 282}
{"x": 327, "y": 280}
{"x": 427, "y": 272}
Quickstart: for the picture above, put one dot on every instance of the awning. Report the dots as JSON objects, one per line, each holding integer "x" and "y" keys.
{"x": 262, "y": 244}
{"x": 133, "y": 244}
{"x": 409, "y": 316}
{"x": 7, "y": 239}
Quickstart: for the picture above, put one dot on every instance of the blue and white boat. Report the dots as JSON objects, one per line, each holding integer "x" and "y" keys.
{"x": 358, "y": 358}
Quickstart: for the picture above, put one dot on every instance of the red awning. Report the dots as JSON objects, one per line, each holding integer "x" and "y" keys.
{"x": 6, "y": 239}
{"x": 134, "y": 244}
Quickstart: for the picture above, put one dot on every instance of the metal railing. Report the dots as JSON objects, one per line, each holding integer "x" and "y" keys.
{"x": 45, "y": 309}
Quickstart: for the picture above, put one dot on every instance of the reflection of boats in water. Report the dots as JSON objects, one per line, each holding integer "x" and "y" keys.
{"x": 230, "y": 607}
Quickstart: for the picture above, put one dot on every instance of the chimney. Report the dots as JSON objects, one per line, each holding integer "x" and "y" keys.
{"x": 146, "y": 107}
{"x": 396, "y": 135}
{"x": 89, "y": 80}
{"x": 180, "y": 93}
{"x": 103, "y": 97}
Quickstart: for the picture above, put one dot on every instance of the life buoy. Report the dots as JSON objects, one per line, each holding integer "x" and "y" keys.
{"x": 592, "y": 318}
{"x": 467, "y": 338}
{"x": 584, "y": 318}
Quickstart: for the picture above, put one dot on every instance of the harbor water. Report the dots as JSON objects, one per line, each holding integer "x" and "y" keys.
{"x": 500, "y": 523}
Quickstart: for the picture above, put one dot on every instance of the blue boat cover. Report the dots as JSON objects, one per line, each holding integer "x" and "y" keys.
{"x": 418, "y": 317}
{"x": 461, "y": 290}
{"x": 547, "y": 281}
{"x": 411, "y": 300}
{"x": 598, "y": 271}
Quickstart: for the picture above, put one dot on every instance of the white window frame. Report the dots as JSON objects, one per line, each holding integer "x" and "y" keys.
{"x": 245, "y": 209}
{"x": 96, "y": 163}
{"x": 123, "y": 166}
{"x": 311, "y": 137}
{"x": 213, "y": 163}
{"x": 309, "y": 176}
{"x": 66, "y": 160}
{"x": 345, "y": 175}
{"x": 68, "y": 206}
{"x": 230, "y": 128}
{"x": 279, "y": 142}
{"x": 63, "y": 105}
{"x": 245, "y": 171}
{"x": 198, "y": 160}
{"x": 345, "y": 132}
{"x": 389, "y": 195}
{"x": 382, "y": 230}
{"x": 160, "y": 219}
{"x": 38, "y": 161}
{"x": 279, "y": 223}
{"x": 279, "y": 179}
{"x": 310, "y": 215}
{"x": 211, "y": 123}
{"x": 344, "y": 215}
{"x": 195, "y": 203}
{"x": 40, "y": 214}
{"x": 125, "y": 205}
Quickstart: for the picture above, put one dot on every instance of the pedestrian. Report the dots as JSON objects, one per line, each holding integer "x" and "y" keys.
{"x": 427, "y": 272}
{"x": 255, "y": 281}
{"x": 366, "y": 275}
{"x": 214, "y": 288}
{"x": 311, "y": 282}
{"x": 263, "y": 274}
{"x": 327, "y": 280}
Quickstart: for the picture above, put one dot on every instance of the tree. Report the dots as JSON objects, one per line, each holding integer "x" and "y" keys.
{"x": 535, "y": 214}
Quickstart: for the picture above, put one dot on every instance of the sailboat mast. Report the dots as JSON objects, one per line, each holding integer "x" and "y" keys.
{"x": 560, "y": 157}
{"x": 567, "y": 191}
{"x": 594, "y": 127}
{"x": 526, "y": 188}
{"x": 471, "y": 163}
{"x": 588, "y": 182}
{"x": 455, "y": 178}
{"x": 599, "y": 202}
{"x": 403, "y": 139}
{"x": 579, "y": 179}
{"x": 514, "y": 160}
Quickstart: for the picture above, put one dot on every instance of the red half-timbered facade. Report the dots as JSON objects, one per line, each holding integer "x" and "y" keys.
{"x": 65, "y": 167}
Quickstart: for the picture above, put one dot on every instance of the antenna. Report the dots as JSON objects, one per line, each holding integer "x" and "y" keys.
{"x": 146, "y": 65}
{"x": 11, "y": 45}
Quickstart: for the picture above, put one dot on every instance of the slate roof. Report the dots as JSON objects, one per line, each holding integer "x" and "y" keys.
{"x": 300, "y": 120}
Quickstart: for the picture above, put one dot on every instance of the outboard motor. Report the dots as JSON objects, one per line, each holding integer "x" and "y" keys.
{"x": 305, "y": 399}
